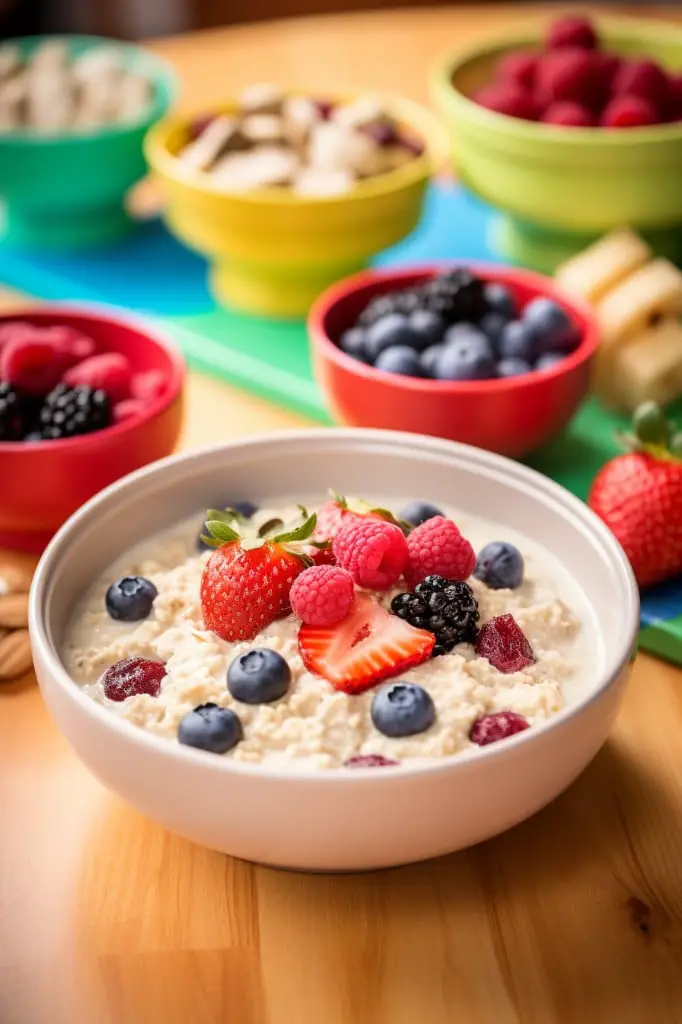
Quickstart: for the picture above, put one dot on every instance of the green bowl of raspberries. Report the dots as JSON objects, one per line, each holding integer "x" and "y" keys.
{"x": 569, "y": 131}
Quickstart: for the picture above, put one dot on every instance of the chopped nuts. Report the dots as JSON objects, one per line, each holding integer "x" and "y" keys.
{"x": 316, "y": 148}
{"x": 15, "y": 649}
{"x": 15, "y": 654}
{"x": 54, "y": 92}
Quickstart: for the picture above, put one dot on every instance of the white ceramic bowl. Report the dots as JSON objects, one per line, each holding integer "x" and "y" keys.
{"x": 346, "y": 820}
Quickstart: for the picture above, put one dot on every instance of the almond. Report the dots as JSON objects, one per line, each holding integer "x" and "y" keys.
{"x": 14, "y": 579}
{"x": 15, "y": 654}
{"x": 13, "y": 611}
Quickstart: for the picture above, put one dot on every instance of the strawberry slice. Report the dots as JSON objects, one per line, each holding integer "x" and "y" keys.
{"x": 368, "y": 646}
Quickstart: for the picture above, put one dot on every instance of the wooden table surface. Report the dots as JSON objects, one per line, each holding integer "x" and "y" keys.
{"x": 574, "y": 916}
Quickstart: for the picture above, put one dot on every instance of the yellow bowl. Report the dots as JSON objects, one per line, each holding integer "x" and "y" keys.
{"x": 273, "y": 251}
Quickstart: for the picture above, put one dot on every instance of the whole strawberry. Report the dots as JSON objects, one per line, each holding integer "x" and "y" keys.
{"x": 246, "y": 581}
{"x": 639, "y": 497}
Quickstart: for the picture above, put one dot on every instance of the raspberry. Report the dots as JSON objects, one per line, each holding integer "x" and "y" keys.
{"x": 30, "y": 365}
{"x": 126, "y": 409}
{"x": 573, "y": 32}
{"x": 502, "y": 641}
{"x": 322, "y": 595}
{"x": 645, "y": 80}
{"x": 369, "y": 761}
{"x": 133, "y": 676}
{"x": 518, "y": 68}
{"x": 569, "y": 74}
{"x": 437, "y": 548}
{"x": 628, "y": 112}
{"x": 372, "y": 550}
{"x": 110, "y": 372}
{"x": 499, "y": 725}
{"x": 571, "y": 115}
{"x": 147, "y": 385}
{"x": 508, "y": 99}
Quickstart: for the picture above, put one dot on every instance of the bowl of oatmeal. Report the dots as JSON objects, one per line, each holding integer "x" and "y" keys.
{"x": 397, "y": 675}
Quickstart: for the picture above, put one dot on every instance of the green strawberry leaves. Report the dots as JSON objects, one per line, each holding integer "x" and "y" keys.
{"x": 653, "y": 434}
{"x": 222, "y": 527}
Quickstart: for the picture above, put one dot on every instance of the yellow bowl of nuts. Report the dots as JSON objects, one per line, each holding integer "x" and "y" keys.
{"x": 285, "y": 194}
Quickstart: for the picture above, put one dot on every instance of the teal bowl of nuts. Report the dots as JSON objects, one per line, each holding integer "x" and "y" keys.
{"x": 74, "y": 111}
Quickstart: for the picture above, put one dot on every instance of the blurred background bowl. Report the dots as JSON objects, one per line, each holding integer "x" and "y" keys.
{"x": 67, "y": 190}
{"x": 512, "y": 416}
{"x": 44, "y": 482}
{"x": 560, "y": 188}
{"x": 273, "y": 251}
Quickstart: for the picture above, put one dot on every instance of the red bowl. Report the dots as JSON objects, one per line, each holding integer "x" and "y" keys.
{"x": 43, "y": 482}
{"x": 512, "y": 416}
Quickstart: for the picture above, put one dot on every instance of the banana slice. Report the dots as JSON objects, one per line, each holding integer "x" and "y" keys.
{"x": 653, "y": 290}
{"x": 648, "y": 367}
{"x": 602, "y": 266}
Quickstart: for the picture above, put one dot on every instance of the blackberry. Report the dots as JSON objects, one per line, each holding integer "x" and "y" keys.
{"x": 405, "y": 301}
{"x": 68, "y": 412}
{"x": 456, "y": 296}
{"x": 11, "y": 413}
{"x": 446, "y": 609}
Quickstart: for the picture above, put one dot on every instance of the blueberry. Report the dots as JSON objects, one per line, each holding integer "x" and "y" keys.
{"x": 512, "y": 367}
{"x": 130, "y": 598}
{"x": 393, "y": 329}
{"x": 402, "y": 709}
{"x": 492, "y": 325}
{"x": 34, "y": 436}
{"x": 500, "y": 300}
{"x": 429, "y": 358}
{"x": 499, "y": 566}
{"x": 259, "y": 676}
{"x": 210, "y": 727}
{"x": 244, "y": 508}
{"x": 549, "y": 360}
{"x": 352, "y": 342}
{"x": 467, "y": 359}
{"x": 467, "y": 332}
{"x": 428, "y": 325}
{"x": 399, "y": 359}
{"x": 551, "y": 327}
{"x": 417, "y": 512}
{"x": 517, "y": 342}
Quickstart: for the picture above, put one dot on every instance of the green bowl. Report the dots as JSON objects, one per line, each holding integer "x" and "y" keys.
{"x": 67, "y": 191}
{"x": 560, "y": 188}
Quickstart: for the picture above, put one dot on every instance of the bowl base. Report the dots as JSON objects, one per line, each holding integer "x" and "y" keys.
{"x": 66, "y": 229}
{"x": 539, "y": 248}
{"x": 280, "y": 292}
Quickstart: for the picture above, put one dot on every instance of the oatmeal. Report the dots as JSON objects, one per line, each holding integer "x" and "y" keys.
{"x": 323, "y": 717}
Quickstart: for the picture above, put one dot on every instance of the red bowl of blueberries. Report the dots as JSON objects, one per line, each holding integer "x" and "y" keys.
{"x": 494, "y": 357}
{"x": 85, "y": 397}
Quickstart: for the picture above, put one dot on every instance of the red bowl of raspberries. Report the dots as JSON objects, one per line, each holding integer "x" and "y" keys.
{"x": 571, "y": 131}
{"x": 494, "y": 357}
{"x": 85, "y": 397}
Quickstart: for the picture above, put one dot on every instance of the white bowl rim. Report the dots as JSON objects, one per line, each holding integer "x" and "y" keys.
{"x": 533, "y": 480}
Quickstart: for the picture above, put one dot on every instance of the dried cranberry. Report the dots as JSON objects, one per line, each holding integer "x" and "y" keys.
{"x": 369, "y": 761}
{"x": 491, "y": 728}
{"x": 324, "y": 108}
{"x": 502, "y": 641}
{"x": 132, "y": 676}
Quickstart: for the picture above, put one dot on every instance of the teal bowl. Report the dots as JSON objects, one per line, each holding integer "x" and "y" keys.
{"x": 67, "y": 191}
{"x": 557, "y": 189}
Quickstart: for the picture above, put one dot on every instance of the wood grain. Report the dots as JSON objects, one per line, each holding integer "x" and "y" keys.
{"x": 573, "y": 917}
